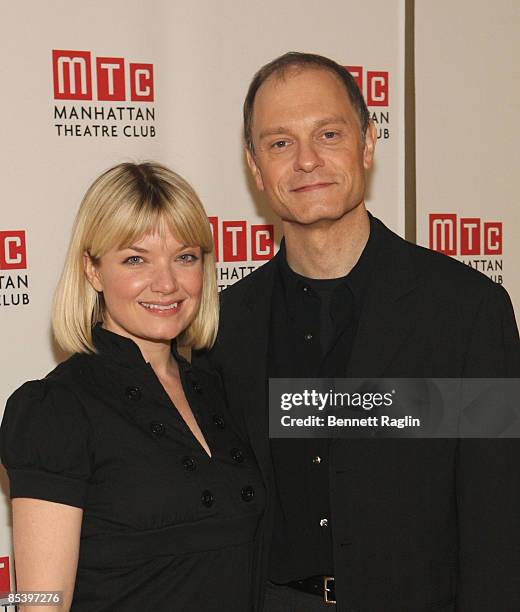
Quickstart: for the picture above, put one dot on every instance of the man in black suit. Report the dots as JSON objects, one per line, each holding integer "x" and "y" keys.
{"x": 400, "y": 525}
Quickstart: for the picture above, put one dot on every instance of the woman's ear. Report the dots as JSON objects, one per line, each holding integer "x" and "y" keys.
{"x": 92, "y": 272}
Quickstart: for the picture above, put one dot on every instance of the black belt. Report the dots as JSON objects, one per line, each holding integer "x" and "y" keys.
{"x": 323, "y": 586}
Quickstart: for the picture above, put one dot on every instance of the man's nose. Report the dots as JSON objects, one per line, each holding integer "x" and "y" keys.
{"x": 164, "y": 279}
{"x": 307, "y": 156}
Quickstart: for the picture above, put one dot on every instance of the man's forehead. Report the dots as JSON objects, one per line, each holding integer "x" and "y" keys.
{"x": 296, "y": 88}
{"x": 285, "y": 75}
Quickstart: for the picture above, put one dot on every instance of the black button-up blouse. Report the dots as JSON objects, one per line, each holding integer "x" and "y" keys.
{"x": 165, "y": 526}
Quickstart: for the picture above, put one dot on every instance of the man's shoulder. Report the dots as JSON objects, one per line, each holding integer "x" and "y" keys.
{"x": 439, "y": 270}
{"x": 256, "y": 280}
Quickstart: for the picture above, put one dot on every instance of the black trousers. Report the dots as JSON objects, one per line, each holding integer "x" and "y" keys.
{"x": 285, "y": 599}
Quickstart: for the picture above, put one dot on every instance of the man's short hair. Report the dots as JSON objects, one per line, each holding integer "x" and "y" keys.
{"x": 294, "y": 59}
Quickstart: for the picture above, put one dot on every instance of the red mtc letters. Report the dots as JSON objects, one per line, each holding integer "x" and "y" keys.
{"x": 476, "y": 238}
{"x": 240, "y": 245}
{"x": 12, "y": 250}
{"x": 5, "y": 578}
{"x": 72, "y": 72}
{"x": 376, "y": 93}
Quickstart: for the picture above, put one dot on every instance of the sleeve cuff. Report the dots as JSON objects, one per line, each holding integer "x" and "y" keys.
{"x": 47, "y": 486}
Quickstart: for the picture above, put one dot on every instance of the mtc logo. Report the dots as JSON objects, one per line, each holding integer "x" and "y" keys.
{"x": 239, "y": 244}
{"x": 376, "y": 92}
{"x": 476, "y": 238}
{"x": 5, "y": 576}
{"x": 13, "y": 253}
{"x": 72, "y": 72}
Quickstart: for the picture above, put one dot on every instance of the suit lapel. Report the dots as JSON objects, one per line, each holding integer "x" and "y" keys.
{"x": 386, "y": 320}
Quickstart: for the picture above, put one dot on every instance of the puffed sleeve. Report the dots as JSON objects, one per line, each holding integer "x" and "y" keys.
{"x": 44, "y": 444}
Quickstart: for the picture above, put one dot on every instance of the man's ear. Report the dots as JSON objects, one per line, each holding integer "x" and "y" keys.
{"x": 92, "y": 272}
{"x": 370, "y": 145}
{"x": 255, "y": 171}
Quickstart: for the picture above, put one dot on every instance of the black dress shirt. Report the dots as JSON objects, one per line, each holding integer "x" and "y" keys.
{"x": 165, "y": 527}
{"x": 313, "y": 326}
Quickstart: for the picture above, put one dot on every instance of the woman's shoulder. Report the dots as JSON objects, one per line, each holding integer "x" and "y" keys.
{"x": 52, "y": 394}
{"x": 45, "y": 439}
{"x": 68, "y": 372}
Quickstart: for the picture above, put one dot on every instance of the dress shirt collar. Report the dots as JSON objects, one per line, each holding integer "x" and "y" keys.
{"x": 357, "y": 280}
{"x": 125, "y": 351}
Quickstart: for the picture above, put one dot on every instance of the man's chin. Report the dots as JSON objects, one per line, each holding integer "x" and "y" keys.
{"x": 316, "y": 218}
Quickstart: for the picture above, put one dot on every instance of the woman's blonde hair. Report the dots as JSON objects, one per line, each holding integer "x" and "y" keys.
{"x": 124, "y": 204}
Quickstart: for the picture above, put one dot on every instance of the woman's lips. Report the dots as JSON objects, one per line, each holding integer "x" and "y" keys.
{"x": 161, "y": 310}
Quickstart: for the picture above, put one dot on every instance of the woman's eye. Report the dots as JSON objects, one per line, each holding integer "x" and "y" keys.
{"x": 188, "y": 258}
{"x": 133, "y": 260}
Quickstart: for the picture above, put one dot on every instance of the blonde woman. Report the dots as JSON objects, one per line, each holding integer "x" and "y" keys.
{"x": 131, "y": 487}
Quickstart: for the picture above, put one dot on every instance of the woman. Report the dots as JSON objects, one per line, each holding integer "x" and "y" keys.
{"x": 131, "y": 488}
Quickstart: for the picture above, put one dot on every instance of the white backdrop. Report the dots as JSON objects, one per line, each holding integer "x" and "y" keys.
{"x": 467, "y": 129}
{"x": 202, "y": 55}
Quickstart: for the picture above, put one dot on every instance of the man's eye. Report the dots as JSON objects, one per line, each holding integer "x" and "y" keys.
{"x": 329, "y": 135}
{"x": 133, "y": 260}
{"x": 279, "y": 144}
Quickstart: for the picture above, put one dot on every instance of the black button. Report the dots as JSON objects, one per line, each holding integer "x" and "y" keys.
{"x": 308, "y": 337}
{"x": 157, "y": 428}
{"x": 305, "y": 288}
{"x": 196, "y": 387}
{"x": 207, "y": 498}
{"x": 237, "y": 455}
{"x": 248, "y": 493}
{"x": 219, "y": 421}
{"x": 133, "y": 393}
{"x": 189, "y": 463}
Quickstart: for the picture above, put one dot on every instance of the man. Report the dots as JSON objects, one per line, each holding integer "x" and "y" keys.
{"x": 400, "y": 525}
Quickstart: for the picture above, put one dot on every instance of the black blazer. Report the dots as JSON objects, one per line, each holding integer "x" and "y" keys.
{"x": 417, "y": 524}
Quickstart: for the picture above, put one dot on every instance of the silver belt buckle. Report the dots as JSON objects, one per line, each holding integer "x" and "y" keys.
{"x": 326, "y": 590}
